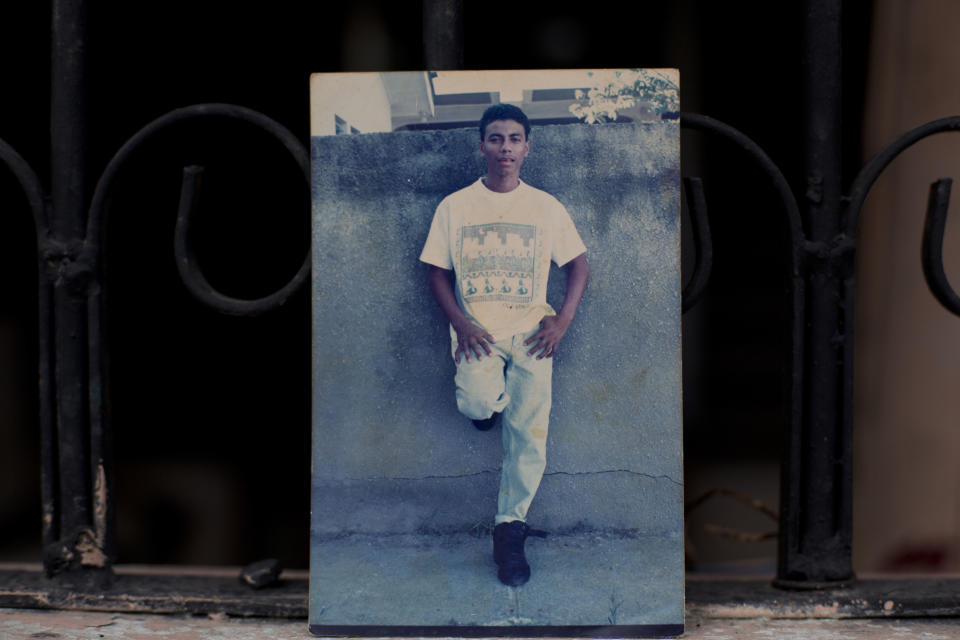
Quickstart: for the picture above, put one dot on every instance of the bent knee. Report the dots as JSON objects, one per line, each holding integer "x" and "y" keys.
{"x": 477, "y": 406}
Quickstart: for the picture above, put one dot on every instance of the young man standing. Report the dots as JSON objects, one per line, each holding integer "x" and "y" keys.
{"x": 498, "y": 236}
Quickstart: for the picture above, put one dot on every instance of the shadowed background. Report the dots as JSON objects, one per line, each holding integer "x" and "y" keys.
{"x": 211, "y": 414}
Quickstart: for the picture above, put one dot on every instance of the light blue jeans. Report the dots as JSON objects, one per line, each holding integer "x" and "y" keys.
{"x": 520, "y": 386}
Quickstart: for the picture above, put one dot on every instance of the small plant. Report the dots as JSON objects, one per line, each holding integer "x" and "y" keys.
{"x": 615, "y": 602}
{"x": 615, "y": 91}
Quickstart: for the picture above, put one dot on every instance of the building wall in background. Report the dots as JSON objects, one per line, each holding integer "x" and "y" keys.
{"x": 907, "y": 482}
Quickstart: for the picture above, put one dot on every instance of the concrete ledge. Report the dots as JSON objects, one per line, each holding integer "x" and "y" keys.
{"x": 213, "y": 591}
{"x": 880, "y": 597}
{"x": 20, "y": 624}
{"x": 717, "y": 609}
{"x": 218, "y": 592}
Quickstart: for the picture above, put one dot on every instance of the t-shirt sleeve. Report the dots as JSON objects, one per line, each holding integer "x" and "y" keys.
{"x": 436, "y": 249}
{"x": 567, "y": 244}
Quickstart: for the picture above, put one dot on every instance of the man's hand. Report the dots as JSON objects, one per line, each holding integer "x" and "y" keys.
{"x": 470, "y": 337}
{"x": 553, "y": 328}
{"x": 547, "y": 340}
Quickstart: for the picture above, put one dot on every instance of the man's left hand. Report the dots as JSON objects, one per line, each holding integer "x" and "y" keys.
{"x": 546, "y": 341}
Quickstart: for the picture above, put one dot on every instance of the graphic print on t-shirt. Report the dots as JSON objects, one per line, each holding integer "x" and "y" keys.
{"x": 496, "y": 262}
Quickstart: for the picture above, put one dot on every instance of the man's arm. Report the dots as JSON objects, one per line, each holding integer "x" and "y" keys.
{"x": 470, "y": 337}
{"x": 553, "y": 328}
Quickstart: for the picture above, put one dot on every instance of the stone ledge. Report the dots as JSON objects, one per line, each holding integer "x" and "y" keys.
{"x": 219, "y": 592}
{"x": 873, "y": 597}
{"x": 31, "y": 624}
{"x": 212, "y": 591}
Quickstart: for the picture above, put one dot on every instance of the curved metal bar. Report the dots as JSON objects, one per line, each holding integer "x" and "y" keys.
{"x": 30, "y": 184}
{"x": 191, "y": 273}
{"x": 795, "y": 226}
{"x": 932, "y": 250}
{"x": 33, "y": 190}
{"x": 702, "y": 243}
{"x": 798, "y": 291}
{"x": 193, "y": 279}
{"x": 872, "y": 170}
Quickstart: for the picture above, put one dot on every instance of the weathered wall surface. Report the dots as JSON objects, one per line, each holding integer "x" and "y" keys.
{"x": 907, "y": 345}
{"x": 392, "y": 453}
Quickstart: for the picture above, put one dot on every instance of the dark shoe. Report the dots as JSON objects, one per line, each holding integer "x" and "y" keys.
{"x": 487, "y": 424}
{"x": 508, "y": 539}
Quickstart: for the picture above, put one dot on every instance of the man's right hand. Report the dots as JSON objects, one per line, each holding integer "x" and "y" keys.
{"x": 471, "y": 338}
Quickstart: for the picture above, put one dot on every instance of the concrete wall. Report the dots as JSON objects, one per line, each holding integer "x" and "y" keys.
{"x": 392, "y": 453}
{"x": 404, "y": 489}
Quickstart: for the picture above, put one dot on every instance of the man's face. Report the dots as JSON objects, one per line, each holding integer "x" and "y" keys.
{"x": 504, "y": 146}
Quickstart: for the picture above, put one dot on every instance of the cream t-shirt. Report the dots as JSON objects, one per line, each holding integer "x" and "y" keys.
{"x": 500, "y": 246}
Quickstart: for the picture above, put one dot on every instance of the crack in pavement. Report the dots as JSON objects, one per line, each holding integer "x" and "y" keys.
{"x": 497, "y": 471}
{"x": 596, "y": 473}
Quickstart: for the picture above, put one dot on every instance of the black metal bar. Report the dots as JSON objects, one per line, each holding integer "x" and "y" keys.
{"x": 816, "y": 505}
{"x": 101, "y": 442}
{"x": 932, "y": 248}
{"x": 794, "y": 226}
{"x": 790, "y": 481}
{"x": 192, "y": 277}
{"x": 77, "y": 545}
{"x": 817, "y": 484}
{"x": 33, "y": 191}
{"x": 30, "y": 184}
{"x": 872, "y": 170}
{"x": 773, "y": 173}
{"x": 932, "y": 258}
{"x": 702, "y": 243}
{"x": 68, "y": 118}
{"x": 443, "y": 34}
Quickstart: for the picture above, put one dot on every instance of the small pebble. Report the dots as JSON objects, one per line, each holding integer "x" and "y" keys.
{"x": 261, "y": 574}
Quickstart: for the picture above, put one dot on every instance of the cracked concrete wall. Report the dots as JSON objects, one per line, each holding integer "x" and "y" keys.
{"x": 391, "y": 452}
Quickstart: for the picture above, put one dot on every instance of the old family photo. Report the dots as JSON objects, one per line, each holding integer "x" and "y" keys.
{"x": 496, "y": 353}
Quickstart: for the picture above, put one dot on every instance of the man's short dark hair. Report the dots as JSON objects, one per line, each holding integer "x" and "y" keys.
{"x": 504, "y": 112}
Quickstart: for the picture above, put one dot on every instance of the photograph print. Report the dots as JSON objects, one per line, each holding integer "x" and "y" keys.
{"x": 496, "y": 354}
